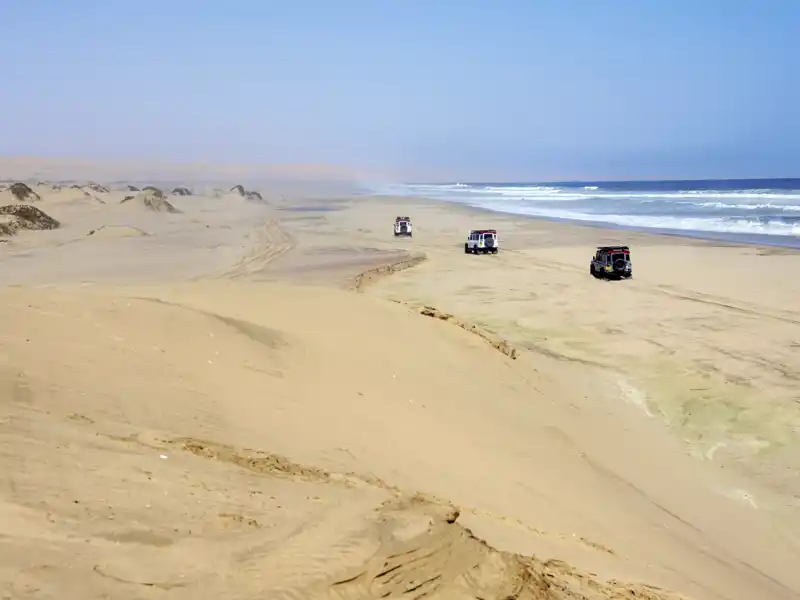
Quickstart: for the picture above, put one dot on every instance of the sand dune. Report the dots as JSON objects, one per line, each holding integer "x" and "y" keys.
{"x": 151, "y": 199}
{"x": 17, "y": 217}
{"x": 19, "y": 192}
{"x": 98, "y": 239}
{"x": 251, "y": 195}
{"x": 196, "y": 423}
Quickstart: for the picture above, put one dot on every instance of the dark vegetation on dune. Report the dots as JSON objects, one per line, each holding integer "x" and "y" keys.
{"x": 152, "y": 199}
{"x": 96, "y": 187}
{"x": 152, "y": 188}
{"x": 133, "y": 188}
{"x": 182, "y": 191}
{"x": 25, "y": 216}
{"x": 251, "y": 195}
{"x": 23, "y": 192}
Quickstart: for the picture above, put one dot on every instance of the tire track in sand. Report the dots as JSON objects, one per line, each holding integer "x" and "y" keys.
{"x": 270, "y": 242}
{"x": 406, "y": 546}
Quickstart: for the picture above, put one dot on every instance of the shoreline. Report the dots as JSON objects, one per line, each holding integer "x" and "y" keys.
{"x": 748, "y": 239}
{"x": 720, "y": 371}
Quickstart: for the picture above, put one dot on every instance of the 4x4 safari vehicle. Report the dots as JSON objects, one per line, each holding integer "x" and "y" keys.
{"x": 402, "y": 226}
{"x": 482, "y": 241}
{"x": 611, "y": 262}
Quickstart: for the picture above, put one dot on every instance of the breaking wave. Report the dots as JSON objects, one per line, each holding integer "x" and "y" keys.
{"x": 745, "y": 207}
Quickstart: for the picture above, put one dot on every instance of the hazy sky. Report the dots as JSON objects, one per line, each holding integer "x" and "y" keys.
{"x": 521, "y": 89}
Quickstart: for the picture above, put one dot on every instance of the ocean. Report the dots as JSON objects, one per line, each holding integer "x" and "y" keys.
{"x": 750, "y": 210}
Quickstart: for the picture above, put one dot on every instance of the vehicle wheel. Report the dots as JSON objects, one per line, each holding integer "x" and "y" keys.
{"x": 494, "y": 251}
{"x": 593, "y": 272}
{"x": 466, "y": 248}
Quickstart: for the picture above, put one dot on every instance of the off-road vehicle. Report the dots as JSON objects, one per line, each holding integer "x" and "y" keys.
{"x": 482, "y": 241}
{"x": 612, "y": 262}
{"x": 402, "y": 226}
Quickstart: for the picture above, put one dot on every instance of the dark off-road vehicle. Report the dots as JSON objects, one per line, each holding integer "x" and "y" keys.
{"x": 611, "y": 262}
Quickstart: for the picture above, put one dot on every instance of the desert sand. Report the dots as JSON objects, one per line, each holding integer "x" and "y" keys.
{"x": 218, "y": 394}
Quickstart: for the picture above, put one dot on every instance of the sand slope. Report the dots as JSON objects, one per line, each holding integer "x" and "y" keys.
{"x": 179, "y": 487}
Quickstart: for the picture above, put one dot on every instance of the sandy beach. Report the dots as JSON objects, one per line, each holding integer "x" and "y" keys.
{"x": 249, "y": 393}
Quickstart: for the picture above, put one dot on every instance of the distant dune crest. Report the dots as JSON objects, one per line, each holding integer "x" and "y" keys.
{"x": 117, "y": 231}
{"x": 55, "y": 169}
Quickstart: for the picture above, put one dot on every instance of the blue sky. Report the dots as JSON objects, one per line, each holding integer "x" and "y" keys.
{"x": 503, "y": 89}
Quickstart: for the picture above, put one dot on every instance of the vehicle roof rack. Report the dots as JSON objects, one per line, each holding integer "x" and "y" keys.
{"x": 613, "y": 248}
{"x": 483, "y": 230}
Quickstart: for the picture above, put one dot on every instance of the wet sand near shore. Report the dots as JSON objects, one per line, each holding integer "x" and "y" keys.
{"x": 704, "y": 337}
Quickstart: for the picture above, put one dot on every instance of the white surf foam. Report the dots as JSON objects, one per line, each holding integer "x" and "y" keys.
{"x": 760, "y": 212}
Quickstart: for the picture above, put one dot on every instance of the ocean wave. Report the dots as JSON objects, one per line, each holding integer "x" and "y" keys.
{"x": 768, "y": 206}
{"x": 760, "y": 210}
{"x": 760, "y": 226}
{"x": 573, "y": 194}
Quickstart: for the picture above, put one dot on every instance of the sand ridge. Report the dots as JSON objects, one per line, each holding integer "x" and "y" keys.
{"x": 240, "y": 436}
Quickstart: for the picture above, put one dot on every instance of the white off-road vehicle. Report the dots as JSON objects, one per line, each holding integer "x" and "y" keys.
{"x": 482, "y": 241}
{"x": 402, "y": 226}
